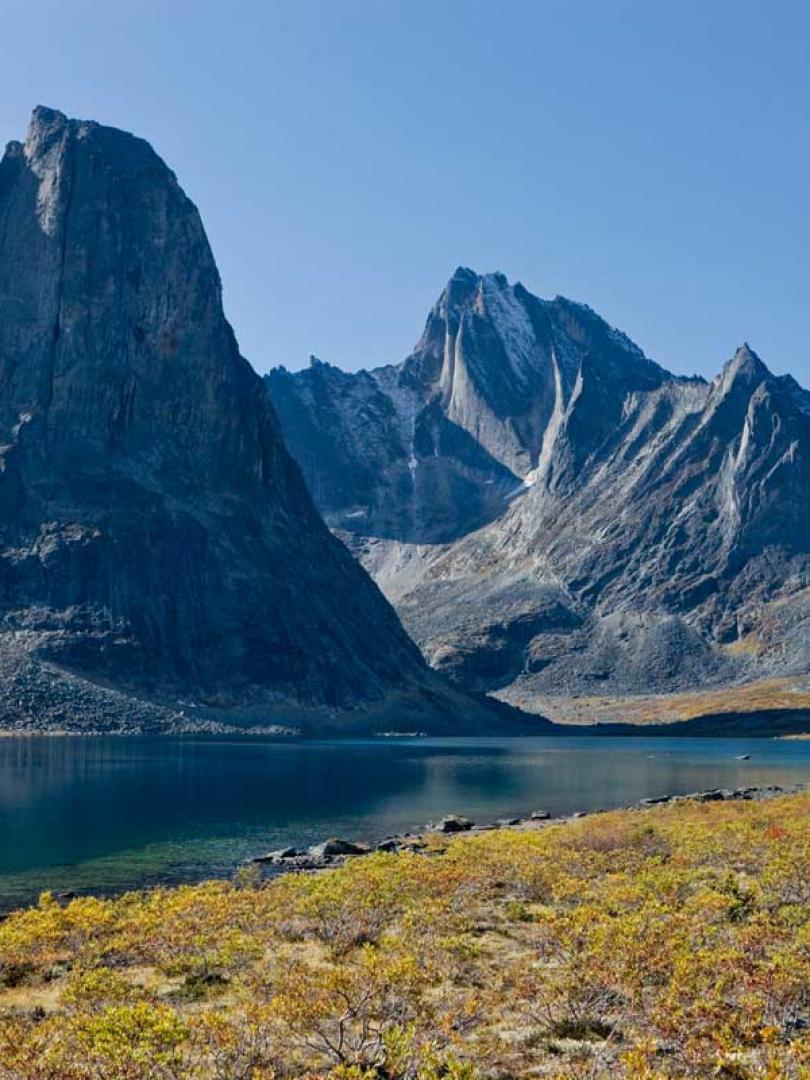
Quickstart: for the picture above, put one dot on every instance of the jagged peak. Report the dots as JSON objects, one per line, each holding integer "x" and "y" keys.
{"x": 744, "y": 367}
{"x": 496, "y": 280}
{"x": 44, "y": 127}
{"x": 42, "y": 116}
{"x": 325, "y": 367}
{"x": 463, "y": 273}
{"x": 468, "y": 289}
{"x": 49, "y": 128}
{"x": 525, "y": 324}
{"x": 745, "y": 355}
{"x": 325, "y": 373}
{"x": 458, "y": 290}
{"x": 469, "y": 278}
{"x": 467, "y": 286}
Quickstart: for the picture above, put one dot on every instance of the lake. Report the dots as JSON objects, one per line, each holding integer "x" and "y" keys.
{"x": 105, "y": 814}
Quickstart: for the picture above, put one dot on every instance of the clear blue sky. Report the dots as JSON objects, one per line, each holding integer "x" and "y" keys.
{"x": 650, "y": 158}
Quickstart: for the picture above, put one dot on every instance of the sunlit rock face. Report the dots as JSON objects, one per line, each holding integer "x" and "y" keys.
{"x": 427, "y": 450}
{"x": 156, "y": 538}
{"x": 553, "y": 513}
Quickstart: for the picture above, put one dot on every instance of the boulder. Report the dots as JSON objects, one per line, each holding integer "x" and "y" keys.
{"x": 453, "y": 823}
{"x": 390, "y": 845}
{"x": 278, "y": 856}
{"x": 334, "y": 847}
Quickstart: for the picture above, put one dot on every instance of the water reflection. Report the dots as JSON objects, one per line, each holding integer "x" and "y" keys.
{"x": 108, "y": 813}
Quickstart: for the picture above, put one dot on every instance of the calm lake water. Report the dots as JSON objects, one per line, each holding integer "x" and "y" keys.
{"x": 104, "y": 814}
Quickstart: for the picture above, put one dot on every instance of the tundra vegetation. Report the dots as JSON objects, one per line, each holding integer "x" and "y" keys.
{"x": 668, "y": 942}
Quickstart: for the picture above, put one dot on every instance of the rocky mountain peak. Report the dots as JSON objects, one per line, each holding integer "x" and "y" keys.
{"x": 553, "y": 512}
{"x": 155, "y": 535}
{"x": 461, "y": 285}
{"x": 45, "y": 122}
{"x": 518, "y": 331}
{"x": 109, "y": 292}
{"x": 465, "y": 288}
{"x": 502, "y": 389}
{"x": 744, "y": 366}
{"x": 45, "y": 126}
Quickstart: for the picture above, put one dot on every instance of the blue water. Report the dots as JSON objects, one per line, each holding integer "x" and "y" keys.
{"x": 104, "y": 814}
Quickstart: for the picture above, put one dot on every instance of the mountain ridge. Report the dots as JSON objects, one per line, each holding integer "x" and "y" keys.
{"x": 568, "y": 515}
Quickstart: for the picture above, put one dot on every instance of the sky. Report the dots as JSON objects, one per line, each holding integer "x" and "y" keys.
{"x": 649, "y": 158}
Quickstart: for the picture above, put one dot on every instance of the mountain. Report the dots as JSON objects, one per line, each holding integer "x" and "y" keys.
{"x": 557, "y": 517}
{"x": 160, "y": 558}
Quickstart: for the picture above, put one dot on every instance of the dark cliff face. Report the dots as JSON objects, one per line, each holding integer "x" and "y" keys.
{"x": 623, "y": 531}
{"x": 155, "y": 535}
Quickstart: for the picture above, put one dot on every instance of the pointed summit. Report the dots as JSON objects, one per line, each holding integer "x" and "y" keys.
{"x": 743, "y": 369}
{"x": 464, "y": 281}
{"x": 44, "y": 118}
{"x": 463, "y": 273}
{"x": 457, "y": 291}
{"x": 746, "y": 360}
{"x": 47, "y": 129}
{"x": 43, "y": 125}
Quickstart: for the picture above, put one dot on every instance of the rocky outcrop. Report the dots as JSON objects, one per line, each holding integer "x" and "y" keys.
{"x": 624, "y": 530}
{"x": 157, "y": 541}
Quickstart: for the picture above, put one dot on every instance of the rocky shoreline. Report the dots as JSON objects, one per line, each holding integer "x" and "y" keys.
{"x": 334, "y": 851}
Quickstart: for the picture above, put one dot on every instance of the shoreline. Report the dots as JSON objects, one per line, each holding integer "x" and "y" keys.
{"x": 334, "y": 851}
{"x": 762, "y": 724}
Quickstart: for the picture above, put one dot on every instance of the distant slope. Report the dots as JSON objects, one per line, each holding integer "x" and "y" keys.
{"x": 555, "y": 515}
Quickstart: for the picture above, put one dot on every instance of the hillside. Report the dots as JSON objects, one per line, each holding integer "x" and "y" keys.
{"x": 558, "y": 518}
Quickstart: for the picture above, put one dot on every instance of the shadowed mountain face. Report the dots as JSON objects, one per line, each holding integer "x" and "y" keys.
{"x": 554, "y": 514}
{"x": 155, "y": 536}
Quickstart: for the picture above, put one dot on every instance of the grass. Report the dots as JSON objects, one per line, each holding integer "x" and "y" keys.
{"x": 759, "y": 696}
{"x": 663, "y": 943}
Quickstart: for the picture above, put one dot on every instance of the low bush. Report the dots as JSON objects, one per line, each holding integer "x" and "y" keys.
{"x": 649, "y": 945}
